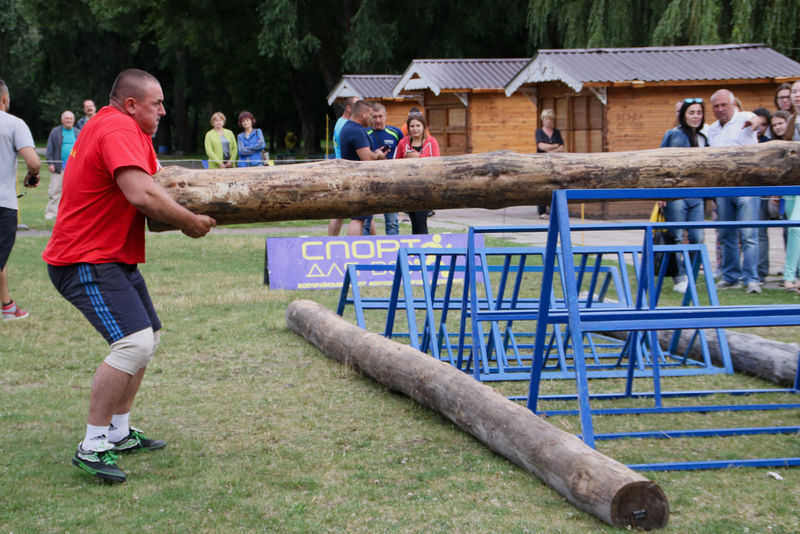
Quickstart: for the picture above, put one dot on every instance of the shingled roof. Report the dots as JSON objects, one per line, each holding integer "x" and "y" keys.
{"x": 463, "y": 75}
{"x": 364, "y": 86}
{"x": 604, "y": 66}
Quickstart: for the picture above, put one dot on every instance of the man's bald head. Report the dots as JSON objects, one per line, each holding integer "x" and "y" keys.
{"x": 724, "y": 94}
{"x": 722, "y": 102}
{"x": 139, "y": 95}
{"x": 130, "y": 83}
{"x": 68, "y": 119}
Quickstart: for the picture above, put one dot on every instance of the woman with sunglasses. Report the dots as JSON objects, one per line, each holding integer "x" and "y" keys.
{"x": 688, "y": 133}
{"x": 417, "y": 144}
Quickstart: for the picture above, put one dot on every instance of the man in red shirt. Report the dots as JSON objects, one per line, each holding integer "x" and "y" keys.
{"x": 92, "y": 258}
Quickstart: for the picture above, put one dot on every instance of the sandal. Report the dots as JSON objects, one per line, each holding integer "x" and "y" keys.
{"x": 791, "y": 285}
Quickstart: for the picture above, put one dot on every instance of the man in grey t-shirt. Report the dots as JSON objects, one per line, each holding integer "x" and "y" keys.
{"x": 15, "y": 137}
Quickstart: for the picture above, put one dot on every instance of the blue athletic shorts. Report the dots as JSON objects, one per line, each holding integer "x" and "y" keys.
{"x": 362, "y": 218}
{"x": 112, "y": 296}
{"x": 8, "y": 233}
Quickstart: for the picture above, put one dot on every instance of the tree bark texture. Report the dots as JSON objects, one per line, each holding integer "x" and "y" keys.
{"x": 586, "y": 478}
{"x": 751, "y": 354}
{"x": 339, "y": 189}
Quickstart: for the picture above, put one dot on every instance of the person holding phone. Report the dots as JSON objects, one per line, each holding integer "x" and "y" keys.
{"x": 418, "y": 144}
{"x": 386, "y": 138}
{"x": 356, "y": 146}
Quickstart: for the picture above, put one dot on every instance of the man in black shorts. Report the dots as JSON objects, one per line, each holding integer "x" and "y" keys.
{"x": 15, "y": 138}
{"x": 92, "y": 258}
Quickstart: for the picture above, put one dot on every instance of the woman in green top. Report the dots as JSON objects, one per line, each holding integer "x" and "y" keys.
{"x": 220, "y": 144}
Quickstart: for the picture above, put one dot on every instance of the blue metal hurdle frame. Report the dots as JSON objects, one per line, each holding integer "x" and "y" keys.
{"x": 645, "y": 317}
{"x": 501, "y": 309}
{"x": 499, "y": 354}
{"x": 491, "y": 362}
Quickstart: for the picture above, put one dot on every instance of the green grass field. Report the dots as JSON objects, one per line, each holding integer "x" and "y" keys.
{"x": 267, "y": 434}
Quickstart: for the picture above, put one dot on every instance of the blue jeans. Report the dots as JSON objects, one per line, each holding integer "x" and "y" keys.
{"x": 739, "y": 209}
{"x": 392, "y": 224}
{"x": 763, "y": 240}
{"x": 685, "y": 210}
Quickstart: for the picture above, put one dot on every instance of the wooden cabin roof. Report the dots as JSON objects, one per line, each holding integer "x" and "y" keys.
{"x": 462, "y": 75}
{"x": 596, "y": 67}
{"x": 364, "y": 86}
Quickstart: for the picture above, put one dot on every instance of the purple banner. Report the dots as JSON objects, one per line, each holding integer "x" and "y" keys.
{"x": 321, "y": 262}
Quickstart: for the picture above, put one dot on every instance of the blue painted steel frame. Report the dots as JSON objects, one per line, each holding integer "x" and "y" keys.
{"x": 499, "y": 356}
{"x": 645, "y": 317}
{"x": 582, "y": 320}
{"x": 500, "y": 352}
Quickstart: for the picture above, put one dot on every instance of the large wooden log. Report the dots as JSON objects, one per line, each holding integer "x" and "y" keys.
{"x": 492, "y": 180}
{"x": 589, "y": 480}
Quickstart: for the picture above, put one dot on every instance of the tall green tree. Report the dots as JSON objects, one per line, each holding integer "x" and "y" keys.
{"x": 20, "y": 56}
{"x": 624, "y": 23}
{"x": 309, "y": 39}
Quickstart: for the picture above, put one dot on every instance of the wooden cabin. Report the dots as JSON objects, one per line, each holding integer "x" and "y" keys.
{"x": 466, "y": 107}
{"x": 618, "y": 99}
{"x": 374, "y": 88}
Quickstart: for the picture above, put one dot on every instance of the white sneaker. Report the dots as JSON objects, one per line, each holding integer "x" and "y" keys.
{"x": 722, "y": 284}
{"x": 752, "y": 287}
{"x": 681, "y": 286}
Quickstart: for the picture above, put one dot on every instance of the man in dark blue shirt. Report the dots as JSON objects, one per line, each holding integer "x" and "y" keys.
{"x": 381, "y": 136}
{"x": 355, "y": 146}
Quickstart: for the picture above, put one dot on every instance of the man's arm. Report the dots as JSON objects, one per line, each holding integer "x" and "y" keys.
{"x": 31, "y": 159}
{"x": 551, "y": 147}
{"x": 52, "y": 152}
{"x": 365, "y": 154}
{"x": 149, "y": 198}
{"x": 33, "y": 163}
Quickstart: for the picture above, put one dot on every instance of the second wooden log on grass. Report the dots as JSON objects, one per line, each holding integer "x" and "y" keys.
{"x": 586, "y": 478}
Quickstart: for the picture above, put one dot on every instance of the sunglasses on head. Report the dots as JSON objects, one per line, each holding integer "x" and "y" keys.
{"x": 693, "y": 100}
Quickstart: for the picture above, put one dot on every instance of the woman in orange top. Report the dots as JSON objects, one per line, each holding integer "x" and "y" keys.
{"x": 418, "y": 144}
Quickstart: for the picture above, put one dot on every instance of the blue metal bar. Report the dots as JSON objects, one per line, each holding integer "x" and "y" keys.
{"x": 680, "y": 192}
{"x": 664, "y": 394}
{"x": 678, "y": 409}
{"x": 718, "y": 464}
{"x": 570, "y": 290}
{"x": 549, "y": 264}
{"x": 699, "y": 433}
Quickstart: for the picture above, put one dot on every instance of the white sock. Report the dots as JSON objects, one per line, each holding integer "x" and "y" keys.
{"x": 95, "y": 435}
{"x": 119, "y": 427}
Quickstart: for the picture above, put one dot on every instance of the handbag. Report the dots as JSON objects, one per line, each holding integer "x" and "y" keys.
{"x": 662, "y": 236}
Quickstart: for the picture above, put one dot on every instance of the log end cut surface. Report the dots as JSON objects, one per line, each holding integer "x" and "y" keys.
{"x": 641, "y": 505}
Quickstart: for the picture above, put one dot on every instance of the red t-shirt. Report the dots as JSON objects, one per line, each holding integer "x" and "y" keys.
{"x": 96, "y": 223}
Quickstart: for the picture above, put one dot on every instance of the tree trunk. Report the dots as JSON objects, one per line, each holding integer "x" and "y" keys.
{"x": 589, "y": 480}
{"x": 307, "y": 140}
{"x": 180, "y": 105}
{"x": 339, "y": 189}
